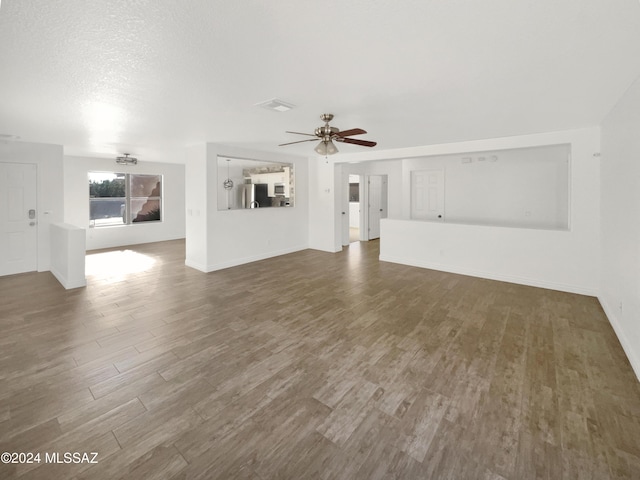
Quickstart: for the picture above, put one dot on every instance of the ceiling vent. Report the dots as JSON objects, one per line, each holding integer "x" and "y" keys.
{"x": 275, "y": 104}
{"x": 126, "y": 160}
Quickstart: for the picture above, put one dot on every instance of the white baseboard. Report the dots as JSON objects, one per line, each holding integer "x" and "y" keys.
{"x": 68, "y": 283}
{"x": 253, "y": 258}
{"x": 622, "y": 338}
{"x": 198, "y": 266}
{"x": 581, "y": 290}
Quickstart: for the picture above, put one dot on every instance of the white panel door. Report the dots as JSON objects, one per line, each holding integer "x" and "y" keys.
{"x": 18, "y": 219}
{"x": 427, "y": 195}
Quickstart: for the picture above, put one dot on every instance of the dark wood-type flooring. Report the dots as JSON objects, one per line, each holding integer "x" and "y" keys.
{"x": 310, "y": 365}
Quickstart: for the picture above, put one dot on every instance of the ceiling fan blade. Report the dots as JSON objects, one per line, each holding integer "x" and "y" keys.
{"x": 362, "y": 143}
{"x": 299, "y": 141}
{"x": 353, "y": 131}
{"x": 298, "y": 133}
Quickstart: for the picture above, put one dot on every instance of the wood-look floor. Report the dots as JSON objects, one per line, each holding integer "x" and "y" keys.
{"x": 310, "y": 365}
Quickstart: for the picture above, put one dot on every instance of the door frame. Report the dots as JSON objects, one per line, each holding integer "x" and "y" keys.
{"x": 365, "y": 206}
{"x": 345, "y": 207}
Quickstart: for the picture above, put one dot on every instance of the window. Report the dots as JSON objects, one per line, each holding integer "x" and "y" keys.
{"x": 124, "y": 198}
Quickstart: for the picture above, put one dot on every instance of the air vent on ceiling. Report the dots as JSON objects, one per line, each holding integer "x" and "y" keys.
{"x": 276, "y": 104}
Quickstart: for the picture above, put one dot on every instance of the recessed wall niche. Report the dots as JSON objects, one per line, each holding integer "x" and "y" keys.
{"x": 254, "y": 184}
{"x": 524, "y": 187}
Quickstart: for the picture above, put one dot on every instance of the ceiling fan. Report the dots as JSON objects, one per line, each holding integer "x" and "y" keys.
{"x": 327, "y": 134}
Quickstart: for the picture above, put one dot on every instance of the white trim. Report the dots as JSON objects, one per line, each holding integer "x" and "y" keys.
{"x": 622, "y": 338}
{"x": 253, "y": 258}
{"x": 66, "y": 283}
{"x": 198, "y": 266}
{"x": 492, "y": 276}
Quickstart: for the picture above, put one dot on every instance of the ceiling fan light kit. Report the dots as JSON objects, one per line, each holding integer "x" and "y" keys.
{"x": 327, "y": 134}
{"x": 326, "y": 148}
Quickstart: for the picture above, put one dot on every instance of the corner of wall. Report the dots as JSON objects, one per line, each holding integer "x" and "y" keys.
{"x": 619, "y": 228}
{"x": 626, "y": 344}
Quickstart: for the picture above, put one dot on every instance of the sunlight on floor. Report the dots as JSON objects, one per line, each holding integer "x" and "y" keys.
{"x": 115, "y": 266}
{"x": 354, "y": 234}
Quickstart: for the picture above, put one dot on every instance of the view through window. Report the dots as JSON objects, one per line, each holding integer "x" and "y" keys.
{"x": 124, "y": 198}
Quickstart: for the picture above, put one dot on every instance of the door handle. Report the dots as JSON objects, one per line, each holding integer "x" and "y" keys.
{"x": 439, "y": 216}
{"x": 32, "y": 214}
{"x": 31, "y": 224}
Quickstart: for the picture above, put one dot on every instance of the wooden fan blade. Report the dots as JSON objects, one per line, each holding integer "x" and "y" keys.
{"x": 353, "y": 131}
{"x": 362, "y": 143}
{"x": 299, "y": 141}
{"x": 308, "y": 134}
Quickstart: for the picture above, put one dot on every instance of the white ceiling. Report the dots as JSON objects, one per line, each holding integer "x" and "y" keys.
{"x": 151, "y": 76}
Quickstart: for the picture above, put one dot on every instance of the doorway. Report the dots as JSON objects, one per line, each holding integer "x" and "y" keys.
{"x": 354, "y": 208}
{"x": 376, "y": 201}
{"x": 363, "y": 206}
{"x": 18, "y": 219}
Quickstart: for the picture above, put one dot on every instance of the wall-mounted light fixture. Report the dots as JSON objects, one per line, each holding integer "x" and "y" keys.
{"x": 126, "y": 160}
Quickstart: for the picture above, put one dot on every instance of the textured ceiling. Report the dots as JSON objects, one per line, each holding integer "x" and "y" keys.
{"x": 151, "y": 76}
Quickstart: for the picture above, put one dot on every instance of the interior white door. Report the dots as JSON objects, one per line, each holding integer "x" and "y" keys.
{"x": 377, "y": 203}
{"x": 427, "y": 195}
{"x": 18, "y": 218}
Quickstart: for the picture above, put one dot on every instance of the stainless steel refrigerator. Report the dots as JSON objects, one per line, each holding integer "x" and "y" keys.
{"x": 254, "y": 195}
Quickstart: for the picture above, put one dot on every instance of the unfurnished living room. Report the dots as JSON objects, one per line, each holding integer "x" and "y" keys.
{"x": 332, "y": 240}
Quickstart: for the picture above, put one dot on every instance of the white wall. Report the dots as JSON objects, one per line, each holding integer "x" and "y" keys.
{"x": 354, "y": 214}
{"x": 234, "y": 237}
{"x": 562, "y": 260}
{"x": 76, "y": 202}
{"x": 325, "y": 192}
{"x": 540, "y": 258}
{"x": 196, "y": 202}
{"x": 526, "y": 187}
{"x": 68, "y": 246}
{"x": 620, "y": 175}
{"x": 48, "y": 159}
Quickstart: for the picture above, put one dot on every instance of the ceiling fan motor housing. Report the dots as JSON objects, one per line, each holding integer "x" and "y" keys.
{"x": 326, "y": 130}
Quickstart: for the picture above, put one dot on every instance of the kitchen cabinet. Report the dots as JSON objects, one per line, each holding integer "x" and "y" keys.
{"x": 271, "y": 179}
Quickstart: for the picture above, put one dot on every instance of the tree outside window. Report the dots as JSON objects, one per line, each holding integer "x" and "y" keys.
{"x": 124, "y": 198}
